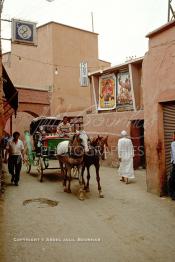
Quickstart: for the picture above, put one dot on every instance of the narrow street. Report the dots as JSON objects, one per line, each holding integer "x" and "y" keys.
{"x": 129, "y": 224}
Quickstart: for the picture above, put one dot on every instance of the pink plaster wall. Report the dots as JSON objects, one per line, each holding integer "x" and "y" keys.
{"x": 158, "y": 86}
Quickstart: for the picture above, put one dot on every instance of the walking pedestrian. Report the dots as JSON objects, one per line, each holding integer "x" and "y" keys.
{"x": 125, "y": 155}
{"x": 171, "y": 180}
{"x": 15, "y": 149}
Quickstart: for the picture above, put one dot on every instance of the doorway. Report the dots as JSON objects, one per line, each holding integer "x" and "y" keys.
{"x": 137, "y": 136}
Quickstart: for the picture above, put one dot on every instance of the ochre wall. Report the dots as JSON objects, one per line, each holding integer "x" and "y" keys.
{"x": 62, "y": 47}
{"x": 32, "y": 66}
{"x": 158, "y": 86}
{"x": 72, "y": 46}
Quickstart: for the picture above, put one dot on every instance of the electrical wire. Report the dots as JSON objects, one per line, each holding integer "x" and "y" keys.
{"x": 47, "y": 63}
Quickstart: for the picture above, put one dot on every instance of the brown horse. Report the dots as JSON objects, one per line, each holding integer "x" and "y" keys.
{"x": 71, "y": 154}
{"x": 97, "y": 146}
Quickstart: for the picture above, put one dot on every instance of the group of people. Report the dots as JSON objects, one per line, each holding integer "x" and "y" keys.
{"x": 14, "y": 150}
{"x": 63, "y": 129}
{"x": 15, "y": 153}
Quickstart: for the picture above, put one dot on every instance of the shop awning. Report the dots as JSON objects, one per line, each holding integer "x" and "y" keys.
{"x": 10, "y": 99}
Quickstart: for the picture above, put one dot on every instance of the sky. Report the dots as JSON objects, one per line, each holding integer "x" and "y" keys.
{"x": 121, "y": 24}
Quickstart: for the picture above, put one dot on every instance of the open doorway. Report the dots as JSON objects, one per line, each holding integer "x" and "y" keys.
{"x": 137, "y": 136}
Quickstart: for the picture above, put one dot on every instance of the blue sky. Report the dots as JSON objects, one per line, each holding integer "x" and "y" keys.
{"x": 121, "y": 25}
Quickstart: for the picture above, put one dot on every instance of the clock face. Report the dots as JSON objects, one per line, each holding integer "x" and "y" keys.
{"x": 24, "y": 31}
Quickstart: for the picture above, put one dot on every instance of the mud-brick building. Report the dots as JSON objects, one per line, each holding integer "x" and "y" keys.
{"x": 51, "y": 70}
{"x": 138, "y": 96}
{"x": 117, "y": 104}
{"x": 151, "y": 120}
{"x": 159, "y": 105}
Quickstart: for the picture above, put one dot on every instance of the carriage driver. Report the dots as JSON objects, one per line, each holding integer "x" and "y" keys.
{"x": 64, "y": 128}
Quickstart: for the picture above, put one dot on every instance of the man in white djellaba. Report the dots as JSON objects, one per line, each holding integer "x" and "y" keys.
{"x": 125, "y": 155}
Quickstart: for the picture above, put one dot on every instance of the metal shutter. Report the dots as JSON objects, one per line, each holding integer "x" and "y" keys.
{"x": 169, "y": 128}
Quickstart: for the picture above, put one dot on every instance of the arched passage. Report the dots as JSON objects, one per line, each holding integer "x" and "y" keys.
{"x": 20, "y": 123}
{"x": 32, "y": 103}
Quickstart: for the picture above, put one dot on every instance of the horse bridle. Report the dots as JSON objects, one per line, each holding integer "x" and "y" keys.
{"x": 74, "y": 154}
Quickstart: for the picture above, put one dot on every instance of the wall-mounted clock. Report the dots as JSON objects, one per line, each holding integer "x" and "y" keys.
{"x": 23, "y": 32}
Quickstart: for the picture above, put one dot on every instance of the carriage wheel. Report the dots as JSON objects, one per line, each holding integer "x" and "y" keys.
{"x": 40, "y": 170}
{"x": 46, "y": 162}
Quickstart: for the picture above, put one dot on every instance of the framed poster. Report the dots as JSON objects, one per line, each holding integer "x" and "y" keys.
{"x": 124, "y": 92}
{"x": 107, "y": 92}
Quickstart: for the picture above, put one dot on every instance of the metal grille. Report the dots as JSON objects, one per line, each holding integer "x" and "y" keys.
{"x": 169, "y": 128}
{"x": 171, "y": 10}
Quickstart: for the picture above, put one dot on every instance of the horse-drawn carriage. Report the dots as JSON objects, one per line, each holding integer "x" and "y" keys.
{"x": 48, "y": 145}
{"x": 42, "y": 141}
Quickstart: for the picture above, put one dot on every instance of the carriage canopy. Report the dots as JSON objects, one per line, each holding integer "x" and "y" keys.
{"x": 49, "y": 124}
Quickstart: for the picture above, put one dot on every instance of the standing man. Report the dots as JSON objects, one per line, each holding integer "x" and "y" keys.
{"x": 15, "y": 149}
{"x": 125, "y": 155}
{"x": 64, "y": 127}
{"x": 171, "y": 180}
{"x": 4, "y": 141}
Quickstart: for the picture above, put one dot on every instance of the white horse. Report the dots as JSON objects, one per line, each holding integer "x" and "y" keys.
{"x": 63, "y": 147}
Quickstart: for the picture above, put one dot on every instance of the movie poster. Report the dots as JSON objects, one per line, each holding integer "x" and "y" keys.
{"x": 124, "y": 94}
{"x": 107, "y": 92}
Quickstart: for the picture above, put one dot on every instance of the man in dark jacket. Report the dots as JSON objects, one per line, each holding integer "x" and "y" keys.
{"x": 171, "y": 180}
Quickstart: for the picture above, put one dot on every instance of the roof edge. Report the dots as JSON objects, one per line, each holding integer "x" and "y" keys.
{"x": 161, "y": 29}
{"x": 69, "y": 26}
{"x": 104, "y": 61}
{"x": 101, "y": 71}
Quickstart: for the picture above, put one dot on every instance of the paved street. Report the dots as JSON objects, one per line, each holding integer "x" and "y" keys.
{"x": 129, "y": 224}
